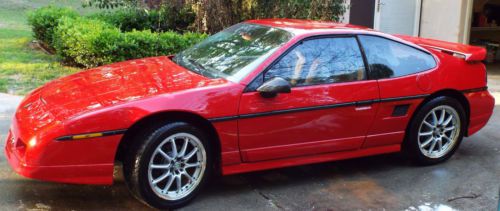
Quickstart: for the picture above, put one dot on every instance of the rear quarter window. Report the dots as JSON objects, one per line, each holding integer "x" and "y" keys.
{"x": 390, "y": 59}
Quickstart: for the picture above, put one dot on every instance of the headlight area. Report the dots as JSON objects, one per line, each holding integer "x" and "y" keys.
{"x": 32, "y": 142}
{"x": 81, "y": 158}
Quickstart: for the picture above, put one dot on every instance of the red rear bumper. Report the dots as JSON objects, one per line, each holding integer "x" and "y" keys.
{"x": 481, "y": 109}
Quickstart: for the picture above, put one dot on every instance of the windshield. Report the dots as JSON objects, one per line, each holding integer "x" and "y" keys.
{"x": 233, "y": 52}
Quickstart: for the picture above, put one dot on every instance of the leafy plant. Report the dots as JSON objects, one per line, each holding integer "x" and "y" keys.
{"x": 109, "y": 4}
{"x": 91, "y": 42}
{"x": 139, "y": 44}
{"x": 126, "y": 19}
{"x": 86, "y": 42}
{"x": 214, "y": 15}
{"x": 44, "y": 20}
{"x": 160, "y": 20}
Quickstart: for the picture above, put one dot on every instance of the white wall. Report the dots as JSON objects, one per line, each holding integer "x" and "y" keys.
{"x": 446, "y": 20}
{"x": 345, "y": 17}
{"x": 398, "y": 17}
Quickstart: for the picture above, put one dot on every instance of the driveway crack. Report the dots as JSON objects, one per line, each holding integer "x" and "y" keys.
{"x": 471, "y": 196}
{"x": 269, "y": 200}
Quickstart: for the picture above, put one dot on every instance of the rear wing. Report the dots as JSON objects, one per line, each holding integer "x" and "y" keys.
{"x": 467, "y": 52}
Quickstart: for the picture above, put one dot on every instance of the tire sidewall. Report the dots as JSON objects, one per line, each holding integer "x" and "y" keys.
{"x": 143, "y": 157}
{"x": 411, "y": 145}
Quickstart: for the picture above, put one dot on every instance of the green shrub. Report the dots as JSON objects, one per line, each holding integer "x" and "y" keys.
{"x": 91, "y": 42}
{"x": 126, "y": 19}
{"x": 192, "y": 38}
{"x": 165, "y": 19}
{"x": 171, "y": 42}
{"x": 86, "y": 42}
{"x": 139, "y": 44}
{"x": 44, "y": 20}
{"x": 109, "y": 37}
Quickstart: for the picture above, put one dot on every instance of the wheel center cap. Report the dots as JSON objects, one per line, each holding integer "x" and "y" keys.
{"x": 177, "y": 166}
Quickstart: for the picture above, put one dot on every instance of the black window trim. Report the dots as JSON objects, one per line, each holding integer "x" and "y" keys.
{"x": 402, "y": 43}
{"x": 261, "y": 75}
{"x": 365, "y": 60}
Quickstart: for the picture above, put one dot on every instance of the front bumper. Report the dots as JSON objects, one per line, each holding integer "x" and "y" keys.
{"x": 90, "y": 168}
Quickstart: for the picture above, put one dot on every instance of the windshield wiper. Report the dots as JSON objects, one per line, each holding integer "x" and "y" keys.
{"x": 197, "y": 65}
{"x": 202, "y": 69}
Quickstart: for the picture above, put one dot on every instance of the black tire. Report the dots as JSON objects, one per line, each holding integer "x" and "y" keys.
{"x": 136, "y": 163}
{"x": 411, "y": 146}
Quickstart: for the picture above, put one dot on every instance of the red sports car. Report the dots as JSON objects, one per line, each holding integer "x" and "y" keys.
{"x": 259, "y": 95}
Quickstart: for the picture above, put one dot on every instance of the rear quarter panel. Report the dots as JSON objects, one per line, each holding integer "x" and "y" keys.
{"x": 450, "y": 73}
{"x": 470, "y": 79}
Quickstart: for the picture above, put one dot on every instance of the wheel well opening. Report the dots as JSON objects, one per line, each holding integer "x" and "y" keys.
{"x": 127, "y": 142}
{"x": 453, "y": 94}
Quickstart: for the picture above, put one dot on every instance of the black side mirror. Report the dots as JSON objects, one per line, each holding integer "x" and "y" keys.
{"x": 272, "y": 87}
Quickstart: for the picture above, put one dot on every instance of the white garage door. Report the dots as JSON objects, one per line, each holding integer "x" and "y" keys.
{"x": 397, "y": 16}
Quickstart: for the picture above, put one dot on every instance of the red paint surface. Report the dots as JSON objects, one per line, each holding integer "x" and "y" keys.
{"x": 308, "y": 132}
{"x": 117, "y": 96}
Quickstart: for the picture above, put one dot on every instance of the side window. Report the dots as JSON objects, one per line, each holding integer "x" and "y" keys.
{"x": 321, "y": 61}
{"x": 389, "y": 59}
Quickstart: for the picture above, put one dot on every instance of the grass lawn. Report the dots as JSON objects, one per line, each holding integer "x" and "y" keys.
{"x": 21, "y": 67}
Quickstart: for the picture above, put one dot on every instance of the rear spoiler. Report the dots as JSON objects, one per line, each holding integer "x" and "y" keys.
{"x": 467, "y": 52}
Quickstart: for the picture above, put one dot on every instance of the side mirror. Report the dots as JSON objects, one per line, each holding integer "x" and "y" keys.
{"x": 272, "y": 87}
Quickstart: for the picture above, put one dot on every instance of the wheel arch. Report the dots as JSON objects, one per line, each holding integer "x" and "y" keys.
{"x": 170, "y": 116}
{"x": 453, "y": 93}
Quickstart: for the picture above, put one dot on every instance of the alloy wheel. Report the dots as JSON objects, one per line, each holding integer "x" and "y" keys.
{"x": 177, "y": 166}
{"x": 439, "y": 131}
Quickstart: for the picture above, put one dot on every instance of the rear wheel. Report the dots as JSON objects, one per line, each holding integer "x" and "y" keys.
{"x": 169, "y": 166}
{"x": 436, "y": 131}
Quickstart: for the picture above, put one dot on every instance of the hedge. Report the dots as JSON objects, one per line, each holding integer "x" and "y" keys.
{"x": 44, "y": 20}
{"x": 91, "y": 42}
{"x": 86, "y": 42}
{"x": 129, "y": 19}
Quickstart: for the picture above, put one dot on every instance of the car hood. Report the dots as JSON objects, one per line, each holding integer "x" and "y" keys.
{"x": 117, "y": 83}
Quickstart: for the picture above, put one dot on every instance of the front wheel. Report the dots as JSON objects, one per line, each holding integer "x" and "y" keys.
{"x": 436, "y": 131}
{"x": 170, "y": 165}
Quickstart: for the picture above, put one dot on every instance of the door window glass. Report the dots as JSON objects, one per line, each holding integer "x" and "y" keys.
{"x": 321, "y": 61}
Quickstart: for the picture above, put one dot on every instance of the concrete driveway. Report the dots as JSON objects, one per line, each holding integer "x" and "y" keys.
{"x": 468, "y": 181}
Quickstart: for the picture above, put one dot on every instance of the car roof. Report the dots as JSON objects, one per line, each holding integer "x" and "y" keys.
{"x": 297, "y": 25}
{"x": 311, "y": 27}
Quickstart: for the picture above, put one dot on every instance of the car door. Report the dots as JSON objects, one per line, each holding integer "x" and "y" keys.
{"x": 404, "y": 82}
{"x": 329, "y": 108}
